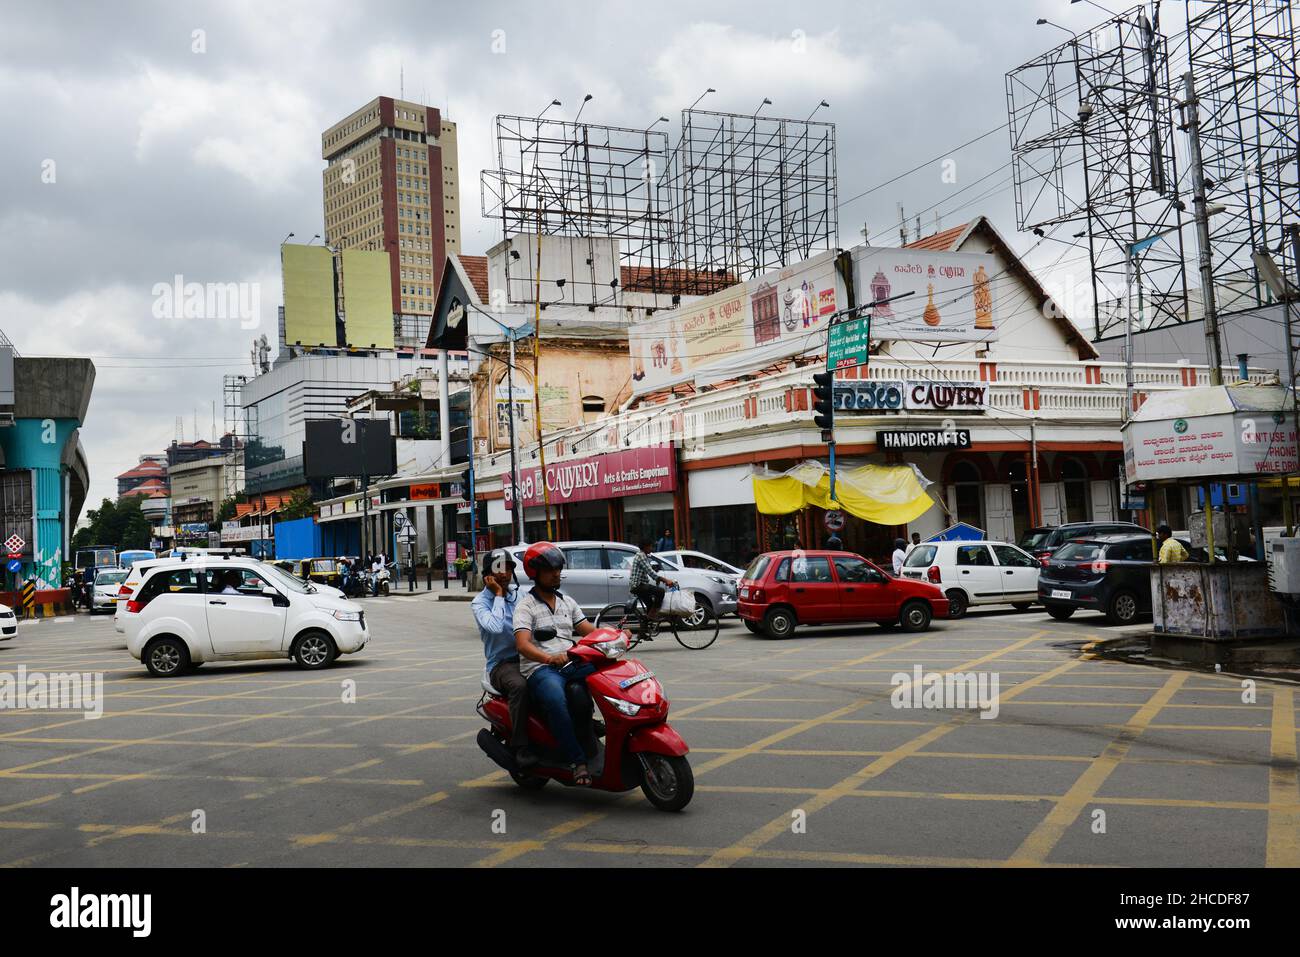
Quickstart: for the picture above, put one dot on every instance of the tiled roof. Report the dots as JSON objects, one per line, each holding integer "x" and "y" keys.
{"x": 147, "y": 467}
{"x": 943, "y": 241}
{"x": 476, "y": 268}
{"x": 681, "y": 282}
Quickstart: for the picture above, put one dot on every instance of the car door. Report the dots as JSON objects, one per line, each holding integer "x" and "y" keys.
{"x": 1019, "y": 573}
{"x": 814, "y": 592}
{"x": 977, "y": 573}
{"x": 865, "y": 594}
{"x": 585, "y": 578}
{"x": 247, "y": 621}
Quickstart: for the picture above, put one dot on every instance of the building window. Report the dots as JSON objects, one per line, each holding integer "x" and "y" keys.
{"x": 1075, "y": 479}
{"x": 593, "y": 403}
{"x": 968, "y": 492}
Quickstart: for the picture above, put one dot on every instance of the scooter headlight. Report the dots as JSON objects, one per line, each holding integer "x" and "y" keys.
{"x": 626, "y": 707}
{"x": 612, "y": 648}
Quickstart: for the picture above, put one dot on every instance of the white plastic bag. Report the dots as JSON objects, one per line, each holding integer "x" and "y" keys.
{"x": 679, "y": 604}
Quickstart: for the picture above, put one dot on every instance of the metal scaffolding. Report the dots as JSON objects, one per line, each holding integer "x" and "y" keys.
{"x": 231, "y": 386}
{"x": 1091, "y": 125}
{"x": 738, "y": 196}
{"x": 582, "y": 180}
{"x": 1242, "y": 54}
{"x": 751, "y": 193}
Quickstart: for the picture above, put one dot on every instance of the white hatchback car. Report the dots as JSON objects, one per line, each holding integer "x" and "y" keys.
{"x": 975, "y": 573}
{"x": 186, "y": 612}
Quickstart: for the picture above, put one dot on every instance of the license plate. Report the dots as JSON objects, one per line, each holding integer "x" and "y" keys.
{"x": 629, "y": 682}
{"x": 1057, "y": 593}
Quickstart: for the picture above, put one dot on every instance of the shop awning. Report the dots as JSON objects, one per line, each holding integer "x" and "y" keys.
{"x": 883, "y": 494}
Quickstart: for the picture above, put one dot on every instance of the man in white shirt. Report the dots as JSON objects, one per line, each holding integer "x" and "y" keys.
{"x": 900, "y": 555}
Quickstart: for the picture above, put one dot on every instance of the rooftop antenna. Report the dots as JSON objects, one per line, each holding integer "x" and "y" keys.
{"x": 902, "y": 224}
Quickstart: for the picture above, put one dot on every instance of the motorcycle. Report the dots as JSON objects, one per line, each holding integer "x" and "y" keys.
{"x": 640, "y": 747}
{"x": 356, "y": 584}
{"x": 379, "y": 581}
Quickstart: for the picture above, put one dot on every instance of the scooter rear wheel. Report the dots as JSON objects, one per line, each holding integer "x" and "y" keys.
{"x": 667, "y": 782}
{"x": 529, "y": 782}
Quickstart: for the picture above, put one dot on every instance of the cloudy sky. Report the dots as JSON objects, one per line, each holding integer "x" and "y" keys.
{"x": 149, "y": 140}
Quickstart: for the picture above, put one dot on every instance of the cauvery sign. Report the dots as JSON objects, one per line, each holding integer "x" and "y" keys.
{"x": 894, "y": 396}
{"x": 633, "y": 472}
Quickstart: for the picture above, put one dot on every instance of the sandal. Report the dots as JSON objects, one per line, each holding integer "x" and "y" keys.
{"x": 581, "y": 778}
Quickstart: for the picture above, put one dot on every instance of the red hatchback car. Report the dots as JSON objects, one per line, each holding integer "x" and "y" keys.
{"x": 780, "y": 590}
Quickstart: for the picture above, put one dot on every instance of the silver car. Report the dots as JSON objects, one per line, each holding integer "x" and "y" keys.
{"x": 596, "y": 574}
{"x": 686, "y": 558}
{"x": 104, "y": 592}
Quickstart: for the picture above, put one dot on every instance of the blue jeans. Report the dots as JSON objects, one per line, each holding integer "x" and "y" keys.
{"x": 546, "y": 687}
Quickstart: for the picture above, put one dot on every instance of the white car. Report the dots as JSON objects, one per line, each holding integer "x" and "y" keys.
{"x": 104, "y": 592}
{"x": 975, "y": 573}
{"x": 685, "y": 558}
{"x": 186, "y": 612}
{"x": 8, "y": 623}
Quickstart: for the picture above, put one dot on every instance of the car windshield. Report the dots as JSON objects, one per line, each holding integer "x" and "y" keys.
{"x": 756, "y": 568}
{"x": 281, "y": 580}
{"x": 110, "y": 578}
{"x": 1079, "y": 552}
{"x": 1032, "y": 540}
{"x": 920, "y": 555}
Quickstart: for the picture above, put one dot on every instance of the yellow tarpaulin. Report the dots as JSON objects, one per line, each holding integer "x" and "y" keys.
{"x": 883, "y": 494}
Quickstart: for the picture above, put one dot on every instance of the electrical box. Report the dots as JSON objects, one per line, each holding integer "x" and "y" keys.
{"x": 1283, "y": 556}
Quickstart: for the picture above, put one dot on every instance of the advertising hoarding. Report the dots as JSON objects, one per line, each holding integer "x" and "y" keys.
{"x": 953, "y": 296}
{"x": 615, "y": 474}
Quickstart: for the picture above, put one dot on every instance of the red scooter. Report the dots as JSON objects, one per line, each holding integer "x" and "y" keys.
{"x": 640, "y": 747}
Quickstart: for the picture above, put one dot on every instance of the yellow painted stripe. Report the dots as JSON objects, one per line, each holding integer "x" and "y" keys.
{"x": 1283, "y": 824}
{"x": 1035, "y": 848}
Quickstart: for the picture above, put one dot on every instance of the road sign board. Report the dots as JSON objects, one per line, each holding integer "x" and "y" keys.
{"x": 834, "y": 520}
{"x": 400, "y": 521}
{"x": 846, "y": 345}
{"x": 15, "y": 542}
{"x": 14, "y": 565}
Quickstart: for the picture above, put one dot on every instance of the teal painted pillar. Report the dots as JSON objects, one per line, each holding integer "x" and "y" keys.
{"x": 37, "y": 444}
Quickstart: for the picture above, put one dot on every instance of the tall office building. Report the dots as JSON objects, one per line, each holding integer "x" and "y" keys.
{"x": 391, "y": 184}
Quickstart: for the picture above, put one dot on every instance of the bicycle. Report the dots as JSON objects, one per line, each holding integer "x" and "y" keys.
{"x": 646, "y": 625}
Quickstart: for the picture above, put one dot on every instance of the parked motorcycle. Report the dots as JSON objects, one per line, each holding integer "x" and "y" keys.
{"x": 640, "y": 747}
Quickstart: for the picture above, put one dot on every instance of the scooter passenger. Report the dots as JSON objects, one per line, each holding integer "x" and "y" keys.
{"x": 546, "y": 666}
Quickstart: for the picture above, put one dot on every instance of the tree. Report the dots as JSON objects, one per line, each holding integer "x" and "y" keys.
{"x": 226, "y": 512}
{"x": 121, "y": 526}
{"x": 300, "y": 505}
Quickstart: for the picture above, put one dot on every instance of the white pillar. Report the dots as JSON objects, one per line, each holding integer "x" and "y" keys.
{"x": 444, "y": 409}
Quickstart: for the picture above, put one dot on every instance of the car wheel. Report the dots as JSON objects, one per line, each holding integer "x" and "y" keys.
{"x": 166, "y": 657}
{"x": 314, "y": 650}
{"x": 915, "y": 616}
{"x": 779, "y": 623}
{"x": 703, "y": 612}
{"x": 1022, "y": 605}
{"x": 1123, "y": 608}
{"x": 958, "y": 603}
{"x": 1060, "y": 612}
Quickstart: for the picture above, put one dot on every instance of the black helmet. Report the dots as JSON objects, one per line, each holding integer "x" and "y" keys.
{"x": 1164, "y": 529}
{"x": 498, "y": 562}
{"x": 900, "y": 543}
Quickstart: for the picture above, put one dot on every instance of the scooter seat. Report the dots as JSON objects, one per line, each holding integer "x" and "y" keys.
{"x": 487, "y": 686}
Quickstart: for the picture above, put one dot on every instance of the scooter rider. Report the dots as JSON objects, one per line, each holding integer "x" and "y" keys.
{"x": 546, "y": 666}
{"x": 494, "y": 610}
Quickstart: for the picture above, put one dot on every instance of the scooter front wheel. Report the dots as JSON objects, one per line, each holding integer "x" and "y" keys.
{"x": 667, "y": 782}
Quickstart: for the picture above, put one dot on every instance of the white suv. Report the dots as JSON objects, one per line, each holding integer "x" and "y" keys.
{"x": 975, "y": 573}
{"x": 186, "y": 612}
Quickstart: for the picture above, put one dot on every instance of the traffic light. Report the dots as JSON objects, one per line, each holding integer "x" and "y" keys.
{"x": 824, "y": 400}
{"x": 463, "y": 480}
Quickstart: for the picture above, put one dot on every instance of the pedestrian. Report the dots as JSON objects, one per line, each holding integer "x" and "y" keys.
{"x": 1171, "y": 549}
{"x": 665, "y": 543}
{"x": 833, "y": 543}
{"x": 916, "y": 538}
{"x": 900, "y": 554}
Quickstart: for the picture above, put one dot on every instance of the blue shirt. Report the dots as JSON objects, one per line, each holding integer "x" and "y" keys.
{"x": 495, "y": 615}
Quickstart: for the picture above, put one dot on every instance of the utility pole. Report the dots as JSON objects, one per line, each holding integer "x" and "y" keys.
{"x": 1201, "y": 214}
{"x": 517, "y": 502}
{"x": 537, "y": 385}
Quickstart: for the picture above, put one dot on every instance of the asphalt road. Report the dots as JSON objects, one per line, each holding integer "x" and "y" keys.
{"x": 798, "y": 753}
